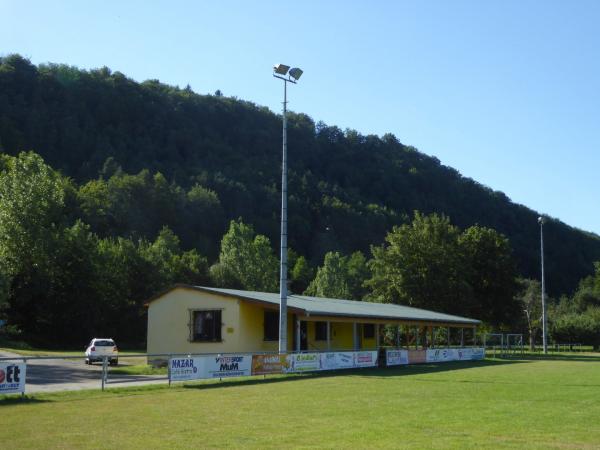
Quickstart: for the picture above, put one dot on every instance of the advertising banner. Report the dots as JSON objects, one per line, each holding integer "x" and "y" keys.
{"x": 396, "y": 357}
{"x": 344, "y": 360}
{"x": 441, "y": 355}
{"x": 417, "y": 356}
{"x": 464, "y": 354}
{"x": 185, "y": 369}
{"x": 228, "y": 366}
{"x": 365, "y": 359}
{"x": 12, "y": 378}
{"x": 268, "y": 364}
{"x": 478, "y": 353}
{"x": 304, "y": 362}
{"x": 328, "y": 361}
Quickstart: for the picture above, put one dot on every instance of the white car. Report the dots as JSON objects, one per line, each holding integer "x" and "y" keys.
{"x": 98, "y": 348}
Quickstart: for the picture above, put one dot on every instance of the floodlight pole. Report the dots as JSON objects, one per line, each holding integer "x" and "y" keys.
{"x": 544, "y": 315}
{"x": 283, "y": 269}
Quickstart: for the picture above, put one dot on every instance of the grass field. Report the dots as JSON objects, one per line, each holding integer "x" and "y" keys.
{"x": 530, "y": 403}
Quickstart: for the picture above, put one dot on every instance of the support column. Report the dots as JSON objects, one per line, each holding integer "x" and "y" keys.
{"x": 462, "y": 337}
{"x": 431, "y": 336}
{"x": 328, "y": 335}
{"x": 398, "y": 336}
{"x": 297, "y": 334}
{"x": 355, "y": 336}
{"x": 377, "y": 336}
{"x": 418, "y": 332}
{"x": 448, "y": 336}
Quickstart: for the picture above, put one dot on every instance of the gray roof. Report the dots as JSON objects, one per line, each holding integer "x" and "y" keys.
{"x": 317, "y": 306}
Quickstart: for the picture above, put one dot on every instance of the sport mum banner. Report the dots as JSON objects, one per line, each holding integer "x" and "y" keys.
{"x": 203, "y": 367}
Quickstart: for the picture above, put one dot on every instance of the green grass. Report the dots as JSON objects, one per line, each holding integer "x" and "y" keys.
{"x": 137, "y": 369}
{"x": 528, "y": 403}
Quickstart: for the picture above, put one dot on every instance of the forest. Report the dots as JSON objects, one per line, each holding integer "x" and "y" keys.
{"x": 112, "y": 189}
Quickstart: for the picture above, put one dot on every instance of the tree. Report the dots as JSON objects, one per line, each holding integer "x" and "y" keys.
{"x": 420, "y": 265}
{"x": 530, "y": 298}
{"x": 246, "y": 260}
{"x": 340, "y": 277}
{"x": 491, "y": 273}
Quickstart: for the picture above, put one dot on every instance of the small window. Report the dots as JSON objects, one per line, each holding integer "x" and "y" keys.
{"x": 368, "y": 331}
{"x": 320, "y": 331}
{"x": 105, "y": 343}
{"x": 271, "y": 325}
{"x": 207, "y": 326}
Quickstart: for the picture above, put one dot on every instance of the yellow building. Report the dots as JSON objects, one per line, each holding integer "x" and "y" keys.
{"x": 200, "y": 320}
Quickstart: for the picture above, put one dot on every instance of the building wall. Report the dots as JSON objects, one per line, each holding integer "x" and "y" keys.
{"x": 252, "y": 319}
{"x": 242, "y": 326}
{"x": 169, "y": 316}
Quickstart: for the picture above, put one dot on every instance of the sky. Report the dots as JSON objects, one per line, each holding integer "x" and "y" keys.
{"x": 506, "y": 92}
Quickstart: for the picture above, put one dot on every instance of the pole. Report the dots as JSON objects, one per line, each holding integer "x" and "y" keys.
{"x": 544, "y": 316}
{"x": 283, "y": 255}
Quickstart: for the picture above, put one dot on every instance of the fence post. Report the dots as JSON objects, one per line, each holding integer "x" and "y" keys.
{"x": 169, "y": 369}
{"x": 104, "y": 375}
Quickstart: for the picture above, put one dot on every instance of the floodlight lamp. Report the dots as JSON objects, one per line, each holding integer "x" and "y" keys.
{"x": 296, "y": 73}
{"x": 281, "y": 69}
{"x": 541, "y": 220}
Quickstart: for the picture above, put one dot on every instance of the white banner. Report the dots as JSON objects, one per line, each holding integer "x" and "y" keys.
{"x": 344, "y": 360}
{"x": 478, "y": 353}
{"x": 441, "y": 355}
{"x": 228, "y": 366}
{"x": 365, "y": 359}
{"x": 328, "y": 361}
{"x": 396, "y": 357}
{"x": 304, "y": 362}
{"x": 12, "y": 378}
{"x": 185, "y": 369}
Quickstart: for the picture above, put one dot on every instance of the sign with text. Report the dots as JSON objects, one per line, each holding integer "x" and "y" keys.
{"x": 396, "y": 357}
{"x": 328, "y": 361}
{"x": 12, "y": 378}
{"x": 441, "y": 355}
{"x": 344, "y": 360}
{"x": 268, "y": 364}
{"x": 365, "y": 359}
{"x": 304, "y": 362}
{"x": 223, "y": 366}
{"x": 185, "y": 369}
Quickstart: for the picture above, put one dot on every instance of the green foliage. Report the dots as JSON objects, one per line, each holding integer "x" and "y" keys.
{"x": 246, "y": 260}
{"x": 340, "y": 277}
{"x": 346, "y": 190}
{"x": 430, "y": 264}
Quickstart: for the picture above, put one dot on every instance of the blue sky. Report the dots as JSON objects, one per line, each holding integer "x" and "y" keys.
{"x": 506, "y": 92}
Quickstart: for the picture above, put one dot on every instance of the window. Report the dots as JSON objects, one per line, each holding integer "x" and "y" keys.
{"x": 271, "y": 325}
{"x": 368, "y": 331}
{"x": 206, "y": 326}
{"x": 320, "y": 331}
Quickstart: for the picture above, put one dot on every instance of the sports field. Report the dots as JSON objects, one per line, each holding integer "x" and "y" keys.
{"x": 529, "y": 403}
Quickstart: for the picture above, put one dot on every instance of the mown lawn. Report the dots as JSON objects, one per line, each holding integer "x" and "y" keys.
{"x": 531, "y": 403}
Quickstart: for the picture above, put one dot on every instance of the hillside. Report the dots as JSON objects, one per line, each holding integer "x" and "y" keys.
{"x": 346, "y": 189}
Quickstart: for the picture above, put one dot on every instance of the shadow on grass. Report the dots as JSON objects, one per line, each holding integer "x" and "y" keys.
{"x": 377, "y": 372}
{"x": 18, "y": 400}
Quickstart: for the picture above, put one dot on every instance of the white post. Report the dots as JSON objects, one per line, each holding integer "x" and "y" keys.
{"x": 283, "y": 252}
{"x": 544, "y": 315}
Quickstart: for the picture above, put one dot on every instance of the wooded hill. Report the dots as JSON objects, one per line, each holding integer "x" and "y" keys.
{"x": 346, "y": 189}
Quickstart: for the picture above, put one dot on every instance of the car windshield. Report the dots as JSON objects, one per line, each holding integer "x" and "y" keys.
{"x": 105, "y": 343}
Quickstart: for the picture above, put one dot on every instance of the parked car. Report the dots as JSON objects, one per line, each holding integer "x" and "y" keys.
{"x": 98, "y": 348}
